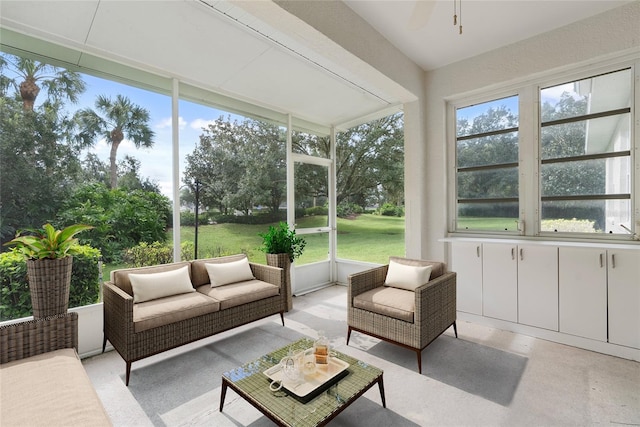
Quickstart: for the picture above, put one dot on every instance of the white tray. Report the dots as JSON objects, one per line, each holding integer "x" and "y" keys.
{"x": 308, "y": 384}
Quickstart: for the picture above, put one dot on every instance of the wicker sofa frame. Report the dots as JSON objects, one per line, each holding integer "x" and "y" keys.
{"x": 133, "y": 346}
{"x": 435, "y": 308}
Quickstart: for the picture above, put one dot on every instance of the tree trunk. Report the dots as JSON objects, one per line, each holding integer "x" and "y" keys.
{"x": 116, "y": 138}
{"x": 283, "y": 261}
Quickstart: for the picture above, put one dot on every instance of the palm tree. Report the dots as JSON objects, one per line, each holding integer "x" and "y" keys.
{"x": 58, "y": 82}
{"x": 114, "y": 121}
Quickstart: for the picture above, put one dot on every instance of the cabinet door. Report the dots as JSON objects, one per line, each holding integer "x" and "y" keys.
{"x": 624, "y": 297}
{"x": 538, "y": 286}
{"x": 583, "y": 292}
{"x": 466, "y": 261}
{"x": 500, "y": 281}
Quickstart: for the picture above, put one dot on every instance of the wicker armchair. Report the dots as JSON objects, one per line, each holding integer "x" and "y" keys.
{"x": 433, "y": 313}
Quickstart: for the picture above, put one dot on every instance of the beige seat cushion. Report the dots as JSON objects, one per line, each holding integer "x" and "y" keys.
{"x": 50, "y": 389}
{"x": 240, "y": 293}
{"x": 167, "y": 310}
{"x": 387, "y": 301}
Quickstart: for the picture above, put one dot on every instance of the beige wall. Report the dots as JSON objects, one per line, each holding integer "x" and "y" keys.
{"x": 595, "y": 39}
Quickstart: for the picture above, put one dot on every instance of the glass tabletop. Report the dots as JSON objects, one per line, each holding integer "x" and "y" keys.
{"x": 250, "y": 381}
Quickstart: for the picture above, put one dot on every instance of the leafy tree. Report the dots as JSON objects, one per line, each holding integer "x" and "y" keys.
{"x": 121, "y": 218}
{"x": 238, "y": 165}
{"x": 499, "y": 150}
{"x": 370, "y": 162}
{"x": 59, "y": 83}
{"x": 38, "y": 168}
{"x": 114, "y": 120}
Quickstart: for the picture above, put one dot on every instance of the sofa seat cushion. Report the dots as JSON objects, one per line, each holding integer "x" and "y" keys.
{"x": 387, "y": 301}
{"x": 167, "y": 310}
{"x": 50, "y": 389}
{"x": 240, "y": 293}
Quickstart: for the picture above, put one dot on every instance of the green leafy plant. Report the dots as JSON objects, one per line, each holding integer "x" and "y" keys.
{"x": 47, "y": 242}
{"x": 282, "y": 240}
{"x": 15, "y": 297}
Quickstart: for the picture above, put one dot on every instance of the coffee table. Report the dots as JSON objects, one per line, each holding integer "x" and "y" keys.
{"x": 285, "y": 409}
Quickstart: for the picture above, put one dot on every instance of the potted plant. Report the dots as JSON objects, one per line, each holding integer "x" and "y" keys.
{"x": 49, "y": 254}
{"x": 282, "y": 247}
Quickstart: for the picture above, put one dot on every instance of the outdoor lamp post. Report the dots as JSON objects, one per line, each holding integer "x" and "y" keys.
{"x": 197, "y": 191}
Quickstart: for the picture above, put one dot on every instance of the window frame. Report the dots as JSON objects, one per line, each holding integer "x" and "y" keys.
{"x": 452, "y": 118}
{"x": 530, "y": 178}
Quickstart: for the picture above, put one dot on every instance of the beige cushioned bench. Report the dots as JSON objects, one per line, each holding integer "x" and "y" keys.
{"x": 42, "y": 381}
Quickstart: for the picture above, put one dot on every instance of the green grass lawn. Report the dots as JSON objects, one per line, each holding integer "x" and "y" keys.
{"x": 368, "y": 237}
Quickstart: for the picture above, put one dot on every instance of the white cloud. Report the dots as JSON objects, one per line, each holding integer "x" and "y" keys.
{"x": 198, "y": 124}
{"x": 167, "y": 123}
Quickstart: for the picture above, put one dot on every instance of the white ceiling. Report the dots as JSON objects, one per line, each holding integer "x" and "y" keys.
{"x": 423, "y": 30}
{"x": 231, "y": 49}
{"x": 210, "y": 44}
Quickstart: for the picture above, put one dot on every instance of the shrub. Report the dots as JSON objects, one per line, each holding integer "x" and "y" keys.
{"x": 155, "y": 253}
{"x": 120, "y": 218}
{"x": 346, "y": 209}
{"x": 14, "y": 287}
{"x": 389, "y": 209}
{"x": 316, "y": 210}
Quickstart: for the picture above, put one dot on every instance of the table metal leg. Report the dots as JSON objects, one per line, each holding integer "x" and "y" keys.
{"x": 223, "y": 393}
{"x": 381, "y": 386}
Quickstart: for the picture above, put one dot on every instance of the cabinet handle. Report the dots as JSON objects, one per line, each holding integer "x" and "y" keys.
{"x": 521, "y": 254}
{"x": 513, "y": 253}
{"x": 601, "y": 262}
{"x": 478, "y": 251}
{"x": 613, "y": 260}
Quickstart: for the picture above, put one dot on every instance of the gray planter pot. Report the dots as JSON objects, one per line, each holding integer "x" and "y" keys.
{"x": 282, "y": 261}
{"x": 49, "y": 283}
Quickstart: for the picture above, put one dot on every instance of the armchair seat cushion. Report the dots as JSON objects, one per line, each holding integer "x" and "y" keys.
{"x": 167, "y": 310}
{"x": 387, "y": 301}
{"x": 240, "y": 293}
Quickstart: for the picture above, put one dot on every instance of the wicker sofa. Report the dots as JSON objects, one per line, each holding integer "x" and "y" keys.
{"x": 42, "y": 381}
{"x": 409, "y": 318}
{"x": 141, "y": 329}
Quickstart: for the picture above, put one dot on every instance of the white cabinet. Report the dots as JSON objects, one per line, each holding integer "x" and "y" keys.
{"x": 520, "y": 284}
{"x": 500, "y": 281}
{"x": 624, "y": 297}
{"x": 538, "y": 286}
{"x": 573, "y": 289}
{"x": 466, "y": 261}
{"x": 582, "y": 282}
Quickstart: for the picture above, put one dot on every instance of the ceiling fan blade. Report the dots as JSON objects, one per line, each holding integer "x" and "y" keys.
{"x": 421, "y": 13}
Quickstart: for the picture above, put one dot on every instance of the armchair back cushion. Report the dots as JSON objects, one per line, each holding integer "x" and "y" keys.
{"x": 407, "y": 277}
{"x": 437, "y": 268}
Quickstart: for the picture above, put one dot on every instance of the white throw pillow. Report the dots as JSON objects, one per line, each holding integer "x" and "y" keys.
{"x": 229, "y": 272}
{"x": 151, "y": 286}
{"x": 407, "y": 277}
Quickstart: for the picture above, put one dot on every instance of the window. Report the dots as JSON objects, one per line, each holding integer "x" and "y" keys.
{"x": 487, "y": 166}
{"x": 370, "y": 190}
{"x": 557, "y": 157}
{"x": 585, "y": 155}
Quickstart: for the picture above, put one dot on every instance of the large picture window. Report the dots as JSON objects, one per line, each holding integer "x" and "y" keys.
{"x": 585, "y": 155}
{"x": 487, "y": 165}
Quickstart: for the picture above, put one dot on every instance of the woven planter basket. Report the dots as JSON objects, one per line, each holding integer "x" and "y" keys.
{"x": 49, "y": 282}
{"x": 282, "y": 261}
